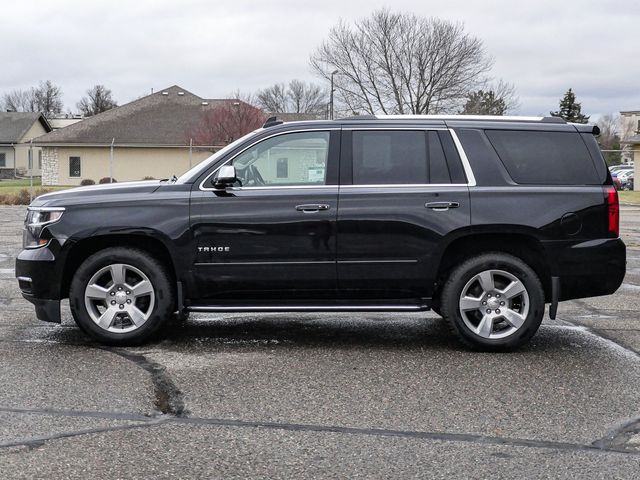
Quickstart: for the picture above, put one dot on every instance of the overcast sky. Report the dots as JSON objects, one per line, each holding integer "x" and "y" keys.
{"x": 212, "y": 48}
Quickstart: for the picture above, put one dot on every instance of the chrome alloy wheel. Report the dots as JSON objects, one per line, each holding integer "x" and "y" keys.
{"x": 119, "y": 298}
{"x": 494, "y": 304}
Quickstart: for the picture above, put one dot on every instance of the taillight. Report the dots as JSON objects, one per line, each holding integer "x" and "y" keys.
{"x": 613, "y": 207}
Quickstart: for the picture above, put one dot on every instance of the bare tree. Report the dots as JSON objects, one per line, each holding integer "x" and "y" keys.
{"x": 273, "y": 98}
{"x": 306, "y": 97}
{"x": 20, "y": 100}
{"x": 48, "y": 98}
{"x": 296, "y": 97}
{"x": 609, "y": 138}
{"x": 97, "y": 100}
{"x": 402, "y": 63}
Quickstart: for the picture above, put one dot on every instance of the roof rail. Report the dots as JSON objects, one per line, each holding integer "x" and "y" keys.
{"x": 272, "y": 121}
{"x": 476, "y": 118}
{"x": 360, "y": 117}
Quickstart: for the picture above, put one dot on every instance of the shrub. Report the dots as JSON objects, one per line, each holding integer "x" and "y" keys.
{"x": 22, "y": 197}
{"x": 148, "y": 178}
{"x": 87, "y": 181}
{"x": 107, "y": 180}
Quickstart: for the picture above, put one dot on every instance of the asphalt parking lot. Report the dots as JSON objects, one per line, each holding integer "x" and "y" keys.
{"x": 321, "y": 395}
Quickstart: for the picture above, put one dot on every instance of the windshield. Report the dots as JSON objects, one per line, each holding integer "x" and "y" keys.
{"x": 202, "y": 166}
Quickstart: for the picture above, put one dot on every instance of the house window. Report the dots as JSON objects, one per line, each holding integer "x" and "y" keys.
{"x": 3, "y": 159}
{"x": 282, "y": 168}
{"x": 74, "y": 166}
{"x": 39, "y": 159}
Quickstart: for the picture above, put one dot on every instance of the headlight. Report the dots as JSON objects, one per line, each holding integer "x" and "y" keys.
{"x": 37, "y": 219}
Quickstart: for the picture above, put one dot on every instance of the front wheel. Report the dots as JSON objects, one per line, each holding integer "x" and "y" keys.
{"x": 493, "y": 301}
{"x": 121, "y": 296}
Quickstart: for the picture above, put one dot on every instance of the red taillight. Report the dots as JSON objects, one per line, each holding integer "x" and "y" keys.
{"x": 614, "y": 211}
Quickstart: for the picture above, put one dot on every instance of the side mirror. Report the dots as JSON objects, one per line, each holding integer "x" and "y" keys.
{"x": 226, "y": 176}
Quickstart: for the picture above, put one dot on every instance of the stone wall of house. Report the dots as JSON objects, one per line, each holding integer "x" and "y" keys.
{"x": 50, "y": 167}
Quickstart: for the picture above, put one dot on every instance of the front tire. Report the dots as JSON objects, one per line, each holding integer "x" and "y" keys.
{"x": 121, "y": 296}
{"x": 493, "y": 301}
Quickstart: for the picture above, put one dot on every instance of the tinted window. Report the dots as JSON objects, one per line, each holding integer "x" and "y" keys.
{"x": 388, "y": 157}
{"x": 289, "y": 159}
{"x": 557, "y": 158}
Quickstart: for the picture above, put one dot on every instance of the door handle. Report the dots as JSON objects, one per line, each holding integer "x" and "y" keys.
{"x": 312, "y": 207}
{"x": 441, "y": 206}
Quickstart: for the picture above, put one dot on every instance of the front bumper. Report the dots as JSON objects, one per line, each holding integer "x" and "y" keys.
{"x": 40, "y": 282}
{"x": 46, "y": 310}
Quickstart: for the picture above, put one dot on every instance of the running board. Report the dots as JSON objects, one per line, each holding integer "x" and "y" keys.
{"x": 307, "y": 308}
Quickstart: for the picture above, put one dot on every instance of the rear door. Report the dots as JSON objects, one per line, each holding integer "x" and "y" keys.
{"x": 402, "y": 192}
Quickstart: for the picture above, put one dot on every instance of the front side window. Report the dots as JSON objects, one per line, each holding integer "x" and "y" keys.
{"x": 74, "y": 166}
{"x": 291, "y": 159}
{"x": 398, "y": 157}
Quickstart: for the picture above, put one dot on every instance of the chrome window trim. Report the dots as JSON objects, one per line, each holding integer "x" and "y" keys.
{"x": 353, "y": 128}
{"x": 276, "y": 134}
{"x": 406, "y": 185}
{"x": 471, "y": 179}
{"x": 277, "y": 187}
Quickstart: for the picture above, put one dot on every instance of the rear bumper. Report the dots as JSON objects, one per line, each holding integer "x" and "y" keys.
{"x": 587, "y": 269}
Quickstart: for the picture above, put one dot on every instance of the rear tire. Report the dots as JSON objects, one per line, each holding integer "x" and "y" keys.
{"x": 493, "y": 301}
{"x": 121, "y": 296}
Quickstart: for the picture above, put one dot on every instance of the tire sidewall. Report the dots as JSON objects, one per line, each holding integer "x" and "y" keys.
{"x": 163, "y": 303}
{"x": 459, "y": 278}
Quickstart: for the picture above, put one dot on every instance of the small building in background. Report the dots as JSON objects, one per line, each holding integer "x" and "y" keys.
{"x": 17, "y": 129}
{"x": 151, "y": 137}
{"x": 60, "y": 121}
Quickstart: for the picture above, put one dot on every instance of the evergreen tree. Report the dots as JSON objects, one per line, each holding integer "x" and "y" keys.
{"x": 483, "y": 102}
{"x": 570, "y": 109}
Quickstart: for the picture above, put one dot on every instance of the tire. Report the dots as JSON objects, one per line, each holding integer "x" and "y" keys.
{"x": 493, "y": 301}
{"x": 121, "y": 296}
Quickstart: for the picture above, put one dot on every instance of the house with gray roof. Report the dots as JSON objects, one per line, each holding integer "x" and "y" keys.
{"x": 17, "y": 129}
{"x": 151, "y": 137}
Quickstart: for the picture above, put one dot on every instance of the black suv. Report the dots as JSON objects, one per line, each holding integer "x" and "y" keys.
{"x": 481, "y": 219}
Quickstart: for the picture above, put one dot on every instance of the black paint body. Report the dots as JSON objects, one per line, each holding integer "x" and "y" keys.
{"x": 375, "y": 244}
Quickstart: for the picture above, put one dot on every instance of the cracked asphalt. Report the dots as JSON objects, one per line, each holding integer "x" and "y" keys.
{"x": 321, "y": 395}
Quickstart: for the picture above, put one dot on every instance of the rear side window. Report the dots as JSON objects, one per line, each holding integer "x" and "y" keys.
{"x": 398, "y": 157}
{"x": 533, "y": 157}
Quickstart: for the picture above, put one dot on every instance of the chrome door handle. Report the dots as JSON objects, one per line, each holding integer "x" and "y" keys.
{"x": 441, "y": 206}
{"x": 312, "y": 207}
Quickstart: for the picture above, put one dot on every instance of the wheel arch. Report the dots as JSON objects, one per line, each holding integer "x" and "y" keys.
{"x": 523, "y": 245}
{"x": 80, "y": 250}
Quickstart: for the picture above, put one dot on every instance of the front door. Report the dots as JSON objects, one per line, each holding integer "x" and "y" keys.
{"x": 271, "y": 236}
{"x": 402, "y": 193}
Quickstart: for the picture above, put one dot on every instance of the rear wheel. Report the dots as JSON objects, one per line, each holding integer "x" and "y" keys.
{"x": 493, "y": 301}
{"x": 121, "y": 296}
